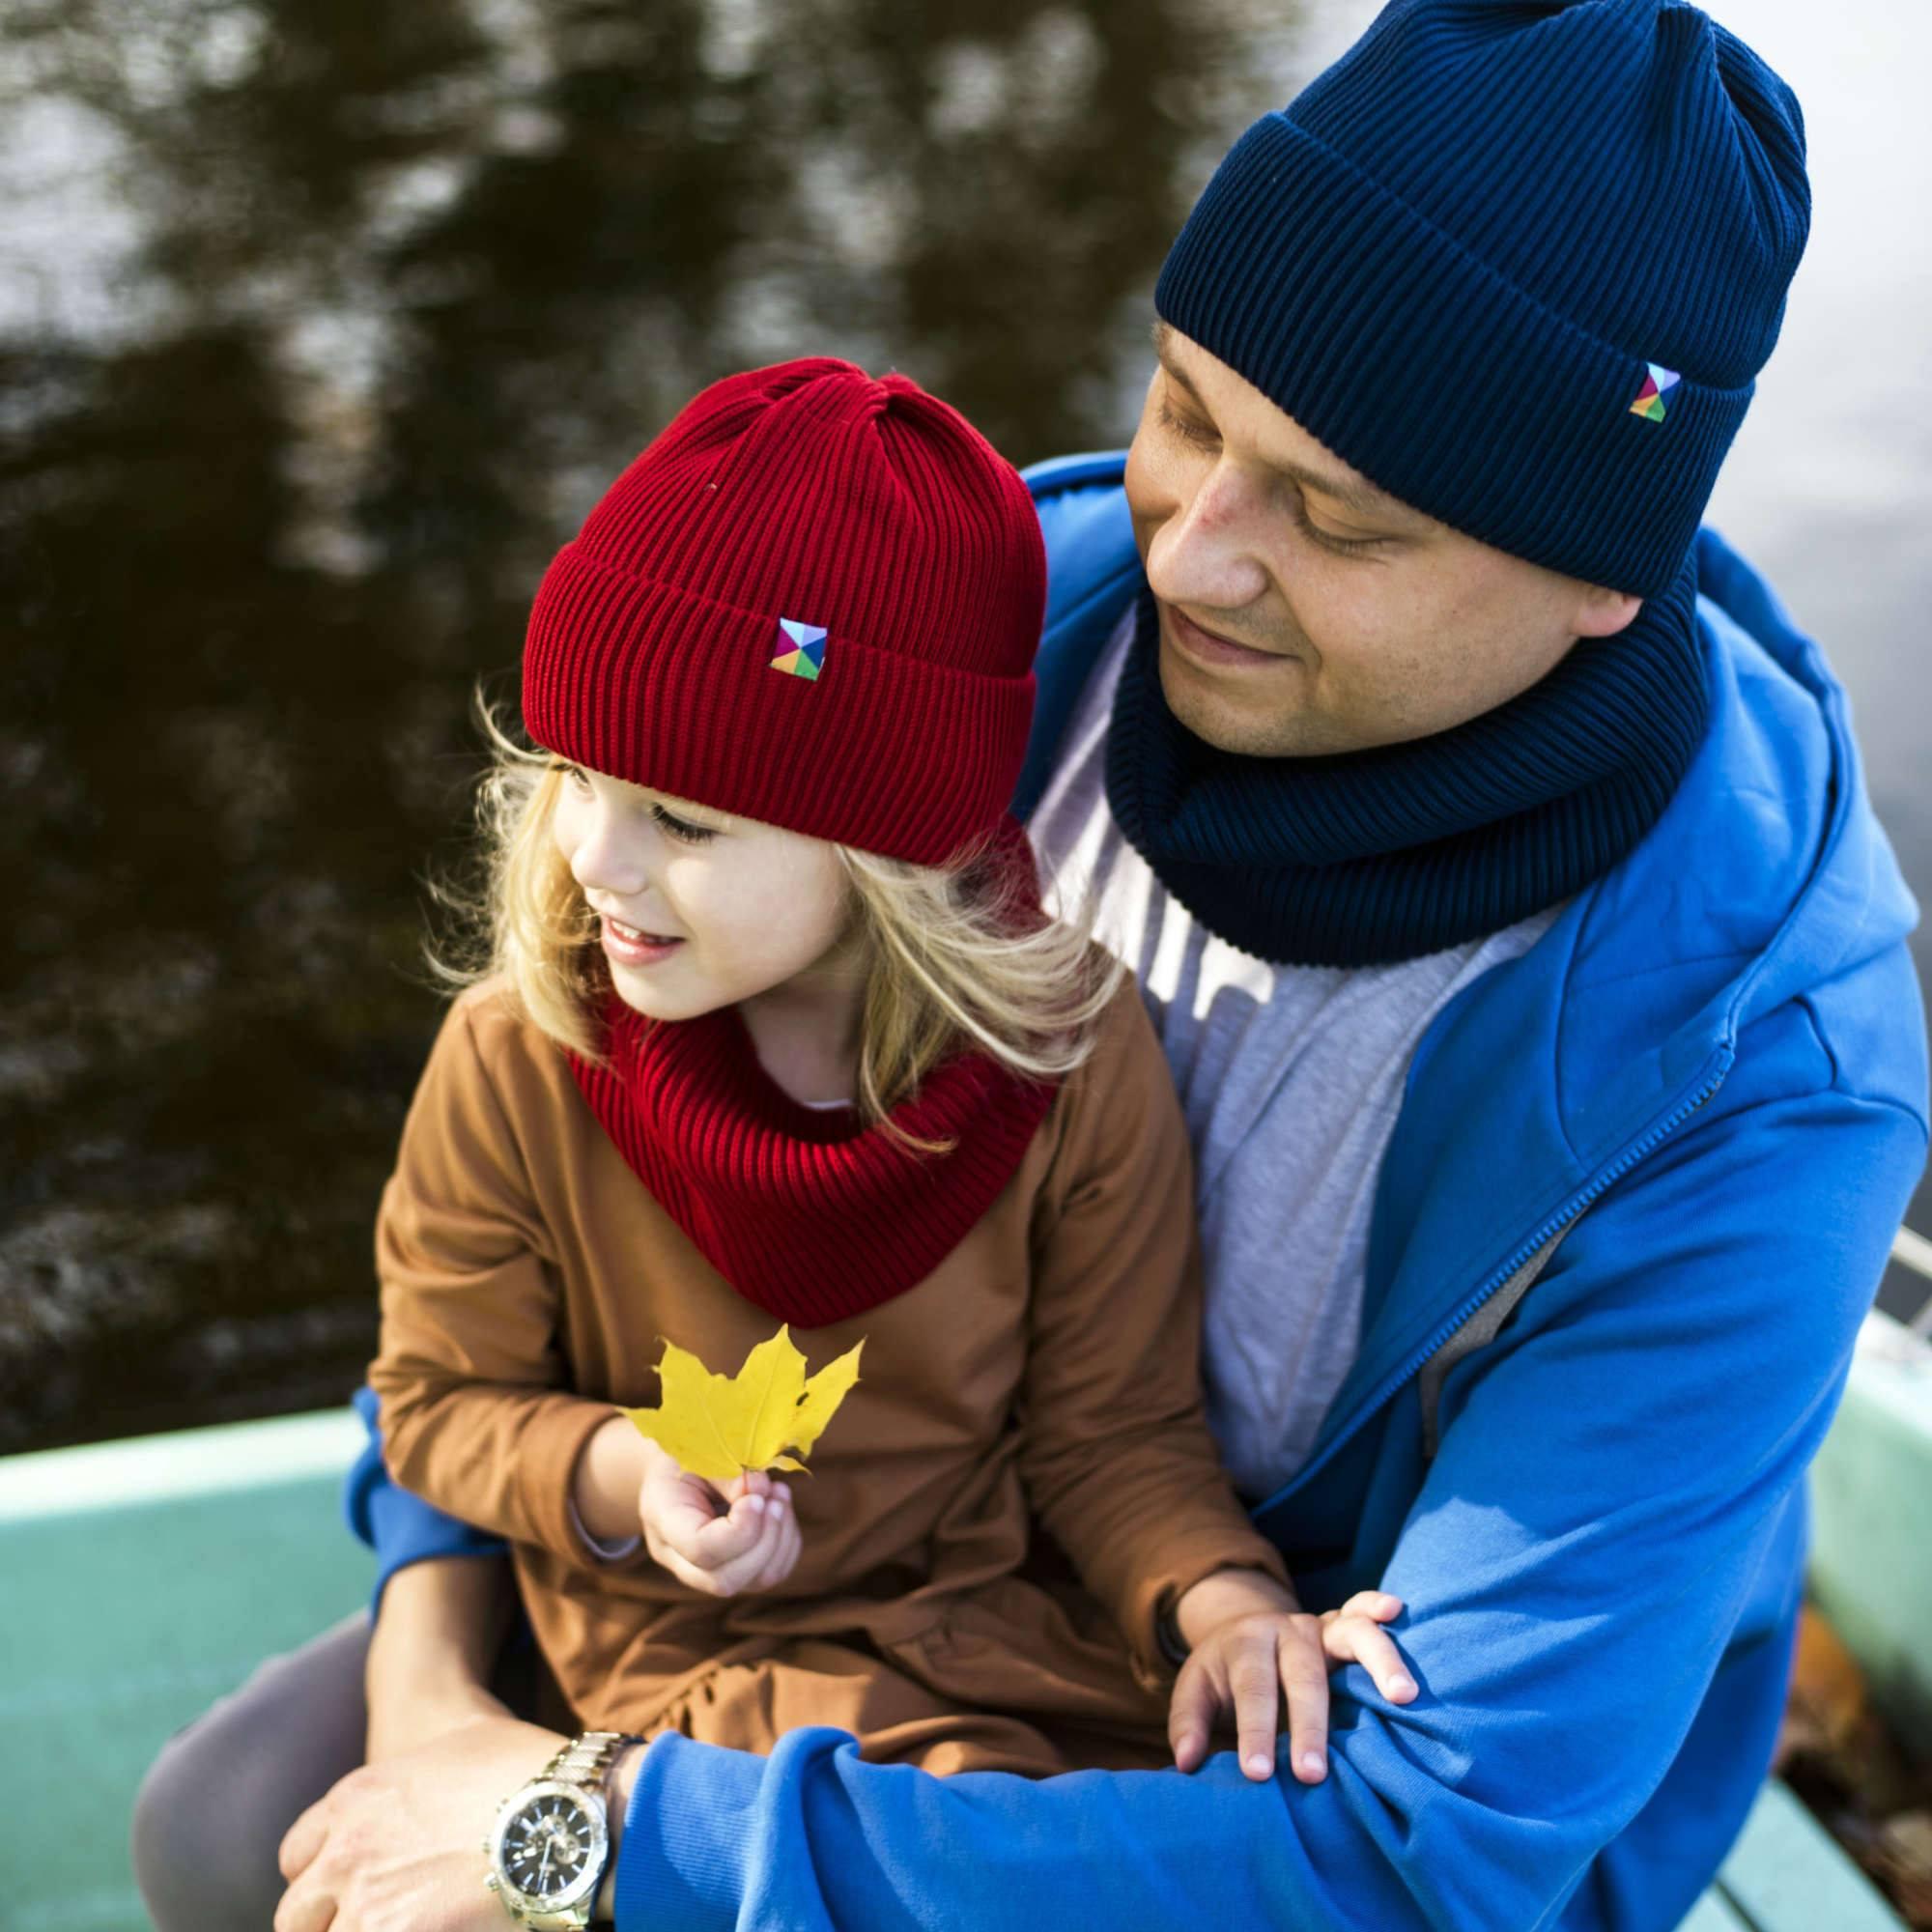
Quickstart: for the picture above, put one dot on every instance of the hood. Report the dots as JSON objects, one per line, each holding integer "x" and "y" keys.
{"x": 1768, "y": 880}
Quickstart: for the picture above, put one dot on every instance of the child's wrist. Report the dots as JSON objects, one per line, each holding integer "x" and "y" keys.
{"x": 1225, "y": 1594}
{"x": 604, "y": 1484}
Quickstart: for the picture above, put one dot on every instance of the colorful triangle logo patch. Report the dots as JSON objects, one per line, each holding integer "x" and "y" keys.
{"x": 802, "y": 650}
{"x": 1657, "y": 385}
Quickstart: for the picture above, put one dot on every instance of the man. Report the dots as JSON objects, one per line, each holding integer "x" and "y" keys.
{"x": 1498, "y": 865}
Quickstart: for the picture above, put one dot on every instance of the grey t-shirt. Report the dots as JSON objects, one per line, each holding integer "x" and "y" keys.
{"x": 1290, "y": 1078}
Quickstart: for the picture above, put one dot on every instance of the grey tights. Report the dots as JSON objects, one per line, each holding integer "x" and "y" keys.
{"x": 213, "y": 1809}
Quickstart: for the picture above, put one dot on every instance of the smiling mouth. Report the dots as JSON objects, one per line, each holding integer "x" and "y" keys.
{"x": 1210, "y": 647}
{"x": 635, "y": 934}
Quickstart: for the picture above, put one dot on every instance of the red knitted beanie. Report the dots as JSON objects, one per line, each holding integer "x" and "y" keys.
{"x": 813, "y": 599}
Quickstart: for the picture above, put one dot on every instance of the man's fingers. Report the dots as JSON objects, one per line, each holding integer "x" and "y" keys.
{"x": 1358, "y": 1639}
{"x": 305, "y": 1907}
{"x": 301, "y": 1842}
{"x": 1190, "y": 1714}
{"x": 1305, "y": 1678}
{"x": 1256, "y": 1685}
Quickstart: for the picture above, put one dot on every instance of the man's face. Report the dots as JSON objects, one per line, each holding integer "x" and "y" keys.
{"x": 1303, "y": 611}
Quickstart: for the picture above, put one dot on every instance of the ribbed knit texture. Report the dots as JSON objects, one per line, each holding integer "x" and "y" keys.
{"x": 674, "y": 642}
{"x": 808, "y": 491}
{"x": 1370, "y": 857}
{"x": 804, "y": 1215}
{"x": 1453, "y": 255}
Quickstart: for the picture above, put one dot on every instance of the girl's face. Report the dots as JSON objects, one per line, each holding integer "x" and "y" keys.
{"x": 718, "y": 910}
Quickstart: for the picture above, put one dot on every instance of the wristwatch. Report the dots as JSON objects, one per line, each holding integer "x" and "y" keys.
{"x": 552, "y": 1839}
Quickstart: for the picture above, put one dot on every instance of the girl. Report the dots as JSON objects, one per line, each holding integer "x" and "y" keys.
{"x": 773, "y": 1029}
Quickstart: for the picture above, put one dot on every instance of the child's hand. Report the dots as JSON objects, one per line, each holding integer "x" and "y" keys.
{"x": 723, "y": 1541}
{"x": 1250, "y": 1641}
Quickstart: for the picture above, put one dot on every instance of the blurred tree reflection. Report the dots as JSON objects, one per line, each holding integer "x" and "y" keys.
{"x": 335, "y": 319}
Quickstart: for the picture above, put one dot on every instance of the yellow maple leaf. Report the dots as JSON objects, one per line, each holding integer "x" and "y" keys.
{"x": 719, "y": 1426}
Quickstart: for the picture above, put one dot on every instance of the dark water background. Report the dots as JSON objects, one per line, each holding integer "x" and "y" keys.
{"x": 321, "y": 326}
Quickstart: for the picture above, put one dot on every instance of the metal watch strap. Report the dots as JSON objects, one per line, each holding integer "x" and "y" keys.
{"x": 587, "y": 1762}
{"x": 586, "y": 1759}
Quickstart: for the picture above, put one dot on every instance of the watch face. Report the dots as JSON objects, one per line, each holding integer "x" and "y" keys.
{"x": 550, "y": 1847}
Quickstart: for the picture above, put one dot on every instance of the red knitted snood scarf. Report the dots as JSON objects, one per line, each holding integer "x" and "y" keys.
{"x": 804, "y": 1215}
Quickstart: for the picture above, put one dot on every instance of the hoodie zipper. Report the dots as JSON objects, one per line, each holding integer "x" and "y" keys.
{"x": 1606, "y": 1177}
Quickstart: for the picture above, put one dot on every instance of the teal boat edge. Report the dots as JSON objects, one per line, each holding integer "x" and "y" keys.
{"x": 141, "y": 1579}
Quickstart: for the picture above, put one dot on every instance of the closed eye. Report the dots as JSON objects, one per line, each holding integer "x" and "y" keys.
{"x": 1184, "y": 427}
{"x": 672, "y": 826}
{"x": 682, "y": 828}
{"x": 1204, "y": 437}
{"x": 1341, "y": 546}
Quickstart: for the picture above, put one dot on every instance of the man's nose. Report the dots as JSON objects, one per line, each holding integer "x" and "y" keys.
{"x": 1206, "y": 552}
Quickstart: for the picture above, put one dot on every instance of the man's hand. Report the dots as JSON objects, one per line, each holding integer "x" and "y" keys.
{"x": 1249, "y": 1641}
{"x": 398, "y": 1846}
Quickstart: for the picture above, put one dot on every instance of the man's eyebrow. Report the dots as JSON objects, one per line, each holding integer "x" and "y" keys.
{"x": 1361, "y": 498}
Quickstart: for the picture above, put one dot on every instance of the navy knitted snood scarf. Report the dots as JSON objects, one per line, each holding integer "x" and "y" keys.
{"x": 1365, "y": 858}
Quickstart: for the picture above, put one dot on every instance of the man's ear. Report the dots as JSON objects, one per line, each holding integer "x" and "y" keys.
{"x": 1603, "y": 614}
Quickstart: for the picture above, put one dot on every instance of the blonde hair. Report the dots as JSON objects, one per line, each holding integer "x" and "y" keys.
{"x": 949, "y": 964}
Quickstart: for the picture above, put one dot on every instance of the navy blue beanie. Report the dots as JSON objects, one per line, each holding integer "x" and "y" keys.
{"x": 1519, "y": 262}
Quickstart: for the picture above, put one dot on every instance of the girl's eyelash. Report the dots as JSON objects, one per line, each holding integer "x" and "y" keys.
{"x": 1194, "y": 433}
{"x": 669, "y": 822}
{"x": 682, "y": 828}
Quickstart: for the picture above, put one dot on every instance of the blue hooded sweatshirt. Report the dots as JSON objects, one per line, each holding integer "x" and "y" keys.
{"x": 1700, "y": 1101}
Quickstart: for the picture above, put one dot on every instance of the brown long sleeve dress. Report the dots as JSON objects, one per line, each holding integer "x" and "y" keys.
{"x": 1036, "y": 1394}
